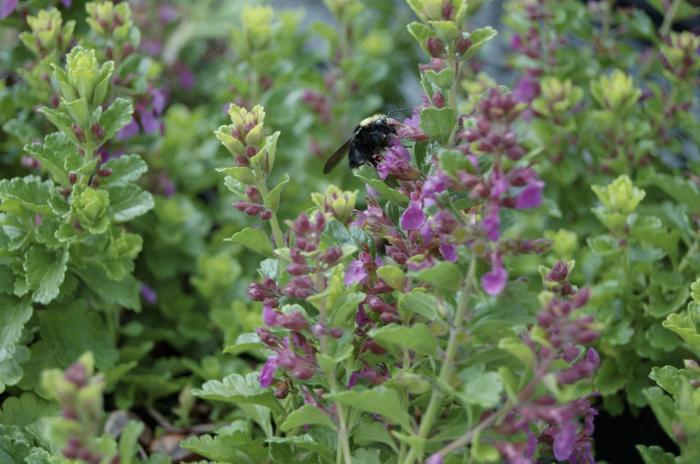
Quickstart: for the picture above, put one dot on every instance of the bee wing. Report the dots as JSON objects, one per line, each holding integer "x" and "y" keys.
{"x": 336, "y": 157}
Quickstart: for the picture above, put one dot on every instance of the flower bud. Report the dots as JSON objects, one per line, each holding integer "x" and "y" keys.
{"x": 435, "y": 47}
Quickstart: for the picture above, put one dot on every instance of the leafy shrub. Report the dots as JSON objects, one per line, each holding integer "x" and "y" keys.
{"x": 513, "y": 263}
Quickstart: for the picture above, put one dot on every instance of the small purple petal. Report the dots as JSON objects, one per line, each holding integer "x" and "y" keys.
{"x": 564, "y": 441}
{"x": 355, "y": 273}
{"x": 530, "y": 197}
{"x": 148, "y": 294}
{"x": 492, "y": 224}
{"x": 413, "y": 217}
{"x": 494, "y": 281}
{"x": 448, "y": 251}
{"x": 67, "y": 3}
{"x": 270, "y": 316}
{"x": 434, "y": 459}
{"x": 527, "y": 89}
{"x": 267, "y": 373}
{"x": 7, "y": 7}
{"x": 128, "y": 131}
{"x": 150, "y": 122}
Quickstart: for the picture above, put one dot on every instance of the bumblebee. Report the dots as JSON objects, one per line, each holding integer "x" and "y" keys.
{"x": 369, "y": 139}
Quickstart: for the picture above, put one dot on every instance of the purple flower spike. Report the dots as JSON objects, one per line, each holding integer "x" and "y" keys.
{"x": 413, "y": 218}
{"x": 530, "y": 197}
{"x": 564, "y": 441}
{"x": 355, "y": 272}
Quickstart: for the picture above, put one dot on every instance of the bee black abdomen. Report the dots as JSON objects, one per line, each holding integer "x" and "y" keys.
{"x": 369, "y": 142}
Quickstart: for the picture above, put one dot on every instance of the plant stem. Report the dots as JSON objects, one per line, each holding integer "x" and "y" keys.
{"x": 277, "y": 235}
{"x": 343, "y": 456}
{"x": 469, "y": 436}
{"x": 669, "y": 17}
{"x": 446, "y": 368}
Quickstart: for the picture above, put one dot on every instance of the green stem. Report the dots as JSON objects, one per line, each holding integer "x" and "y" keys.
{"x": 669, "y": 17}
{"x": 343, "y": 456}
{"x": 446, "y": 368}
{"x": 454, "y": 64}
{"x": 277, "y": 234}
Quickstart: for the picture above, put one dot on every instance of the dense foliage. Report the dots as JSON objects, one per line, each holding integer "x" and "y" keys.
{"x": 179, "y": 281}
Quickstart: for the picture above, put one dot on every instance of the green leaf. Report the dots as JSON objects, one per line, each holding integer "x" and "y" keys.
{"x": 444, "y": 275}
{"x": 368, "y": 175}
{"x": 26, "y": 409}
{"x": 445, "y": 30}
{"x": 14, "y": 314}
{"x": 273, "y": 198}
{"x": 306, "y": 415}
{"x": 242, "y": 174}
{"x": 128, "y": 442}
{"x": 609, "y": 379}
{"x": 59, "y": 119}
{"x": 45, "y": 270}
{"x": 221, "y": 448}
{"x": 237, "y": 389}
{"x": 345, "y": 307}
{"x": 25, "y": 194}
{"x": 604, "y": 245}
{"x": 680, "y": 189}
{"x": 123, "y": 292}
{"x": 70, "y": 332}
{"x": 245, "y": 343}
{"x": 116, "y": 116}
{"x": 655, "y": 455}
{"x": 367, "y": 456}
{"x": 128, "y": 201}
{"x": 421, "y": 33}
{"x": 393, "y": 276}
{"x": 438, "y": 123}
{"x": 419, "y": 302}
{"x": 58, "y": 155}
{"x": 481, "y": 388}
{"x": 663, "y": 408}
{"x": 306, "y": 442}
{"x": 479, "y": 38}
{"x": 380, "y": 400}
{"x": 125, "y": 169}
{"x": 416, "y": 337}
{"x": 255, "y": 240}
{"x": 373, "y": 432}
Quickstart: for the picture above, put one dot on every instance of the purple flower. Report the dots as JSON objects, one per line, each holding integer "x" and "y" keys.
{"x": 516, "y": 43}
{"x": 530, "y": 196}
{"x": 434, "y": 459}
{"x": 7, "y": 7}
{"x": 128, "y": 131}
{"x": 448, "y": 251}
{"x": 564, "y": 440}
{"x": 268, "y": 372}
{"x": 148, "y": 294}
{"x": 67, "y": 3}
{"x": 355, "y": 272}
{"x": 396, "y": 161}
{"x": 270, "y": 316}
{"x": 492, "y": 224}
{"x": 527, "y": 88}
{"x": 435, "y": 184}
{"x": 413, "y": 217}
{"x": 494, "y": 281}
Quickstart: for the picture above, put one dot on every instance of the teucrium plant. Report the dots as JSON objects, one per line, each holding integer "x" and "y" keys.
{"x": 62, "y": 237}
{"x": 378, "y": 325}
